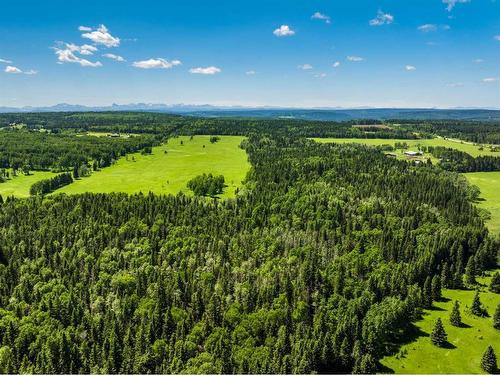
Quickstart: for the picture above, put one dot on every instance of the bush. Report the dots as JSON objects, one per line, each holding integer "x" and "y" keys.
{"x": 207, "y": 185}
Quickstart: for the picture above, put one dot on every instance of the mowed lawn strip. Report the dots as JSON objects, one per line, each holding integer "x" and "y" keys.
{"x": 489, "y": 184}
{"x": 469, "y": 342}
{"x": 170, "y": 167}
{"x": 20, "y": 185}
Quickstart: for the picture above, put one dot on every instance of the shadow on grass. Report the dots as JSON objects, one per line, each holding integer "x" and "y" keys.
{"x": 448, "y": 345}
{"x": 383, "y": 369}
{"x": 436, "y": 308}
{"x": 406, "y": 337}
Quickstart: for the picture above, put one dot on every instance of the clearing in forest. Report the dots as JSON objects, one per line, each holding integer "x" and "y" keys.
{"x": 168, "y": 169}
{"x": 489, "y": 184}
{"x": 466, "y": 344}
{"x": 19, "y": 186}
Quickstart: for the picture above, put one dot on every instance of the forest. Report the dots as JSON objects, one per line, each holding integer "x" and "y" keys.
{"x": 319, "y": 264}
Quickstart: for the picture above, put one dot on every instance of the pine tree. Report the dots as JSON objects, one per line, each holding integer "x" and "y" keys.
{"x": 495, "y": 283}
{"x": 368, "y": 364}
{"x": 489, "y": 360}
{"x": 470, "y": 272}
{"x": 445, "y": 276}
{"x": 455, "y": 318}
{"x": 436, "y": 288}
{"x": 477, "y": 308}
{"x": 496, "y": 318}
{"x": 427, "y": 293}
{"x": 438, "y": 335}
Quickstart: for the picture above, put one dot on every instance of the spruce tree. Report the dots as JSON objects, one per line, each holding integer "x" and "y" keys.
{"x": 489, "y": 361}
{"x": 470, "y": 272}
{"x": 368, "y": 364}
{"x": 436, "y": 288}
{"x": 496, "y": 318}
{"x": 427, "y": 293}
{"x": 455, "y": 317}
{"x": 438, "y": 335}
{"x": 477, "y": 308}
{"x": 495, "y": 283}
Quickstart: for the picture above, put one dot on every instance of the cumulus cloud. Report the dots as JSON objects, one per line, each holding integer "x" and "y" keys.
{"x": 113, "y": 57}
{"x": 157, "y": 63}
{"x": 490, "y": 79}
{"x": 354, "y": 58}
{"x": 410, "y": 68}
{"x": 5, "y": 61}
{"x": 336, "y": 64}
{"x": 102, "y": 36}
{"x": 428, "y": 27}
{"x": 382, "y": 19}
{"x": 283, "y": 30}
{"x": 85, "y": 49}
{"x": 305, "y": 67}
{"x": 12, "y": 70}
{"x": 209, "y": 70}
{"x": 84, "y": 28}
{"x": 320, "y": 16}
{"x": 250, "y": 72}
{"x": 65, "y": 55}
{"x": 451, "y": 3}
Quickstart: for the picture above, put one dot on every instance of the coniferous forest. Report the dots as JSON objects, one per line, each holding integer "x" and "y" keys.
{"x": 320, "y": 263}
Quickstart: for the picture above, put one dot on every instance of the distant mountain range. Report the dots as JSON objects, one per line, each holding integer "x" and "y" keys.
{"x": 332, "y": 114}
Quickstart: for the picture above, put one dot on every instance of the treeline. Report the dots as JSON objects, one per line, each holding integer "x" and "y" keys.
{"x": 320, "y": 265}
{"x": 47, "y": 186}
{"x": 472, "y": 131}
{"x": 21, "y": 149}
{"x": 459, "y": 161}
{"x": 167, "y": 124}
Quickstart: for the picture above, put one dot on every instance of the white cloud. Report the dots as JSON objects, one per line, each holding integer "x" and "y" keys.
{"x": 85, "y": 49}
{"x": 157, "y": 63}
{"x": 497, "y": 38}
{"x": 410, "y": 68}
{"x": 382, "y": 19}
{"x": 30, "y": 72}
{"x": 478, "y": 61}
{"x": 84, "y": 28}
{"x": 65, "y": 55}
{"x": 355, "y": 58}
{"x": 428, "y": 27}
{"x": 446, "y": 27}
{"x": 451, "y": 3}
{"x": 209, "y": 70}
{"x": 250, "y": 73}
{"x": 305, "y": 67}
{"x": 320, "y": 75}
{"x": 283, "y": 30}
{"x": 455, "y": 84}
{"x": 320, "y": 16}
{"x": 12, "y": 70}
{"x": 490, "y": 80}
{"x": 336, "y": 64}
{"x": 113, "y": 57}
{"x": 5, "y": 61}
{"x": 102, "y": 36}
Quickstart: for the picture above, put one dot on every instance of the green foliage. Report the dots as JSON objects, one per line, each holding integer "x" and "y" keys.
{"x": 206, "y": 185}
{"x": 495, "y": 283}
{"x": 476, "y": 307}
{"x": 438, "y": 335}
{"x": 496, "y": 318}
{"x": 489, "y": 361}
{"x": 43, "y": 187}
{"x": 455, "y": 317}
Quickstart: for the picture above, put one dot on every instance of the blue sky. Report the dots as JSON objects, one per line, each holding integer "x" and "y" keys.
{"x": 303, "y": 53}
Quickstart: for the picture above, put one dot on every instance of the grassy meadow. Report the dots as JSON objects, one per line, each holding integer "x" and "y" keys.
{"x": 168, "y": 169}
{"x": 489, "y": 183}
{"x": 466, "y": 344}
{"x": 19, "y": 186}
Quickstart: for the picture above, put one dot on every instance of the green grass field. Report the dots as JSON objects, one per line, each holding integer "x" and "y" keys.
{"x": 489, "y": 183}
{"x": 168, "y": 173}
{"x": 19, "y": 186}
{"x": 413, "y": 143}
{"x": 467, "y": 343}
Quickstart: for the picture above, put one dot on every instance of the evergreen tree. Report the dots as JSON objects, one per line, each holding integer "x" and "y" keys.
{"x": 427, "y": 293}
{"x": 489, "y": 361}
{"x": 368, "y": 364}
{"x": 436, "y": 288}
{"x": 438, "y": 335}
{"x": 495, "y": 283}
{"x": 455, "y": 318}
{"x": 496, "y": 318}
{"x": 476, "y": 308}
{"x": 470, "y": 272}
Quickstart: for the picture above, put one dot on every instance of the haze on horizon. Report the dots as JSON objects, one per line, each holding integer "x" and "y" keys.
{"x": 426, "y": 53}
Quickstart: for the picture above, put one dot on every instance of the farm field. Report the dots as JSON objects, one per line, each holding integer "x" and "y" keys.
{"x": 19, "y": 186}
{"x": 413, "y": 143}
{"x": 169, "y": 168}
{"x": 489, "y": 183}
{"x": 467, "y": 343}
